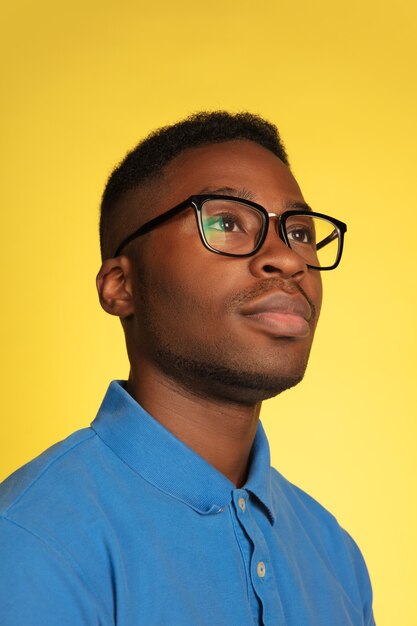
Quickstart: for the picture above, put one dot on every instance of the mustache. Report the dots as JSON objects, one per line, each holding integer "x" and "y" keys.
{"x": 271, "y": 284}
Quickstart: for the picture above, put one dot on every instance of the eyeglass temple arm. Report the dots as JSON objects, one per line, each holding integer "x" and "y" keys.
{"x": 333, "y": 235}
{"x": 142, "y": 230}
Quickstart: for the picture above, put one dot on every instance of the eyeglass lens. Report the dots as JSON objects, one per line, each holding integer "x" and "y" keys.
{"x": 235, "y": 228}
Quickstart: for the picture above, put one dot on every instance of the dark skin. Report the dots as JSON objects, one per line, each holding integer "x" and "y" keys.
{"x": 205, "y": 344}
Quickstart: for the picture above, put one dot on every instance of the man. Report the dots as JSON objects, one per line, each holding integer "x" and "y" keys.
{"x": 166, "y": 510}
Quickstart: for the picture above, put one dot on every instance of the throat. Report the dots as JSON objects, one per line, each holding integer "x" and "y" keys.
{"x": 222, "y": 433}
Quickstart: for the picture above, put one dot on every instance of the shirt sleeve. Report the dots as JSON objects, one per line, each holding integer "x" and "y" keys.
{"x": 39, "y": 587}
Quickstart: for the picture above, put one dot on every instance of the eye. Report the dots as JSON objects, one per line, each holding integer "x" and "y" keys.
{"x": 226, "y": 223}
{"x": 301, "y": 234}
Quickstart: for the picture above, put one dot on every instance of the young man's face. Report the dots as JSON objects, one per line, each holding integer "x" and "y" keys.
{"x": 235, "y": 328}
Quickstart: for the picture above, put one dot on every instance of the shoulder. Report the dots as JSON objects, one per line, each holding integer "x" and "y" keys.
{"x": 51, "y": 527}
{"x": 300, "y": 509}
{"x": 47, "y": 469}
{"x": 306, "y": 517}
{"x": 299, "y": 502}
{"x": 40, "y": 507}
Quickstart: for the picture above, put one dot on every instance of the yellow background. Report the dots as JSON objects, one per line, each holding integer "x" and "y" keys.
{"x": 82, "y": 83}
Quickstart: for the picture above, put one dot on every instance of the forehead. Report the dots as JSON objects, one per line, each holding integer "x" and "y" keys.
{"x": 234, "y": 164}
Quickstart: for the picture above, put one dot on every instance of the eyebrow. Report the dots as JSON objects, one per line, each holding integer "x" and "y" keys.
{"x": 230, "y": 191}
{"x": 245, "y": 194}
{"x": 297, "y": 205}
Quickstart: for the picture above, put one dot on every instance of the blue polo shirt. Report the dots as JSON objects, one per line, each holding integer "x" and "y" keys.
{"x": 123, "y": 524}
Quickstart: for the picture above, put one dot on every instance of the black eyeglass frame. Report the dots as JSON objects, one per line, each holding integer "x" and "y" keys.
{"x": 197, "y": 201}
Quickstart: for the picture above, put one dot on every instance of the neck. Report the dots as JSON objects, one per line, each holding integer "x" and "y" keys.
{"x": 222, "y": 432}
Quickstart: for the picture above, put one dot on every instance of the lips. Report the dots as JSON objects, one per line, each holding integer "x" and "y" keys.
{"x": 281, "y": 314}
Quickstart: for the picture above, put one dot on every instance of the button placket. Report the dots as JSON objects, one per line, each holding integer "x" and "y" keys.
{"x": 263, "y": 590}
{"x": 258, "y": 566}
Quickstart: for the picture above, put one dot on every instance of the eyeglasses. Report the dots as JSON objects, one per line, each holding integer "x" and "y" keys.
{"x": 234, "y": 227}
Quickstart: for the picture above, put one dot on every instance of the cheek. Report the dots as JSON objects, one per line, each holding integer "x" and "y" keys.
{"x": 173, "y": 283}
{"x": 315, "y": 292}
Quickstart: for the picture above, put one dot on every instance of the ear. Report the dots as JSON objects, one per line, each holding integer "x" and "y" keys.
{"x": 114, "y": 286}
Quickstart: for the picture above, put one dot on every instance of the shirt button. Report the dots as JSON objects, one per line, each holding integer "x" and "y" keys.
{"x": 260, "y": 570}
{"x": 242, "y": 504}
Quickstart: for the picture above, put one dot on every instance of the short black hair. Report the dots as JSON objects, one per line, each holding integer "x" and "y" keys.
{"x": 145, "y": 163}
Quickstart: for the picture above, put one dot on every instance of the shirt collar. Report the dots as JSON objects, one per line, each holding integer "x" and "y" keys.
{"x": 260, "y": 475}
{"x": 163, "y": 460}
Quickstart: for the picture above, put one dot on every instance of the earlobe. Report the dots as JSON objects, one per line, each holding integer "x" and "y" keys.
{"x": 114, "y": 287}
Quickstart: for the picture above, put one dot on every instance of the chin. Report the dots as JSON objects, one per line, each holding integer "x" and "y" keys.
{"x": 267, "y": 376}
{"x": 231, "y": 384}
{"x": 250, "y": 388}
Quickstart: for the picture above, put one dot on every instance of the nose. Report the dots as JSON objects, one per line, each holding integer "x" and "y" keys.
{"x": 275, "y": 257}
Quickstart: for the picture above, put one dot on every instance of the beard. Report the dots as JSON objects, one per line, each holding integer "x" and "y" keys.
{"x": 216, "y": 374}
{"x": 214, "y": 365}
{"x": 240, "y": 386}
